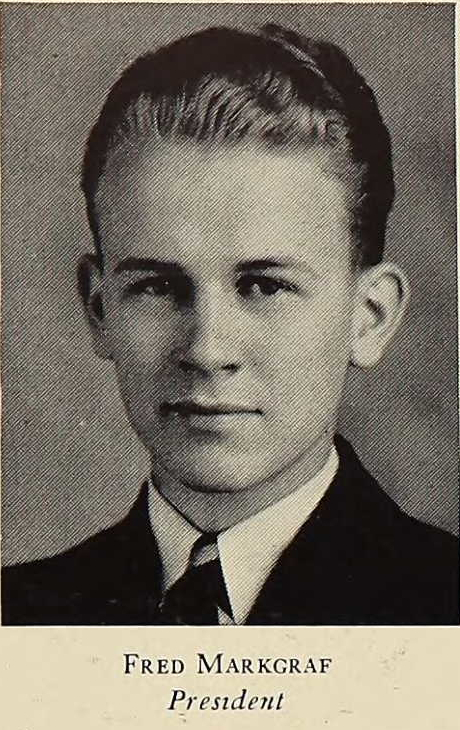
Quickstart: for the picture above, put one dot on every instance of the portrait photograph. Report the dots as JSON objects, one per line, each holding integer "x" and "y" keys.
{"x": 229, "y": 274}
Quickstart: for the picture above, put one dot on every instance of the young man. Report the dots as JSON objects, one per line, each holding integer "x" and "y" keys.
{"x": 238, "y": 188}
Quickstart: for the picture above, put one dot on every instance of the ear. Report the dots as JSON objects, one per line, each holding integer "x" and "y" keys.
{"x": 90, "y": 289}
{"x": 382, "y": 296}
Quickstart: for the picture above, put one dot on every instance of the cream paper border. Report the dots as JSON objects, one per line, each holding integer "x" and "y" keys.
{"x": 380, "y": 678}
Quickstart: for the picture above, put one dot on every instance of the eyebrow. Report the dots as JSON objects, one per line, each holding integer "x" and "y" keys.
{"x": 132, "y": 263}
{"x": 276, "y": 263}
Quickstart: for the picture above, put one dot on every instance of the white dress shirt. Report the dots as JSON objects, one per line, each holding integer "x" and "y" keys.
{"x": 249, "y": 550}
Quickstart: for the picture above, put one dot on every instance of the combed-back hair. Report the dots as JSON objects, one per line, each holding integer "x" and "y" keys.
{"x": 277, "y": 88}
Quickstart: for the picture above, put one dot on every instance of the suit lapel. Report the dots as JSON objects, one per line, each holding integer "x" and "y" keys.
{"x": 137, "y": 562}
{"x": 321, "y": 576}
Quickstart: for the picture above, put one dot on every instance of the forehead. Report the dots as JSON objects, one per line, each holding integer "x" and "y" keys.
{"x": 180, "y": 200}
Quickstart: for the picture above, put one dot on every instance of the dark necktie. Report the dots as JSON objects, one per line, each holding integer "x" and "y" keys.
{"x": 194, "y": 598}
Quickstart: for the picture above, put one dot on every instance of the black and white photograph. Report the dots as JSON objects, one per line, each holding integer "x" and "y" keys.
{"x": 230, "y": 386}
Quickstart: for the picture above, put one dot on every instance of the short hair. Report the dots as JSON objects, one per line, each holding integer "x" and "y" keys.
{"x": 277, "y": 87}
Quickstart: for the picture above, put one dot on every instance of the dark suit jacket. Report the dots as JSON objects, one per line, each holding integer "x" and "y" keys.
{"x": 358, "y": 559}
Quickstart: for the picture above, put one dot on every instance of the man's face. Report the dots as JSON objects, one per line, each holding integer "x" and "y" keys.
{"x": 228, "y": 300}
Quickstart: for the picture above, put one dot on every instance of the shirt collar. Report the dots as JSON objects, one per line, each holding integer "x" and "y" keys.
{"x": 249, "y": 550}
{"x": 174, "y": 535}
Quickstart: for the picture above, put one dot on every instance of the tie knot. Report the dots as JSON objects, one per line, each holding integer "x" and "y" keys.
{"x": 195, "y": 596}
{"x": 204, "y": 550}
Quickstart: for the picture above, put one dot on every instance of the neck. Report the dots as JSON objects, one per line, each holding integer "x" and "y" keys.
{"x": 217, "y": 511}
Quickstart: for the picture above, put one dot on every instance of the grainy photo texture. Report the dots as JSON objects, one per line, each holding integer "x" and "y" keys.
{"x": 229, "y": 268}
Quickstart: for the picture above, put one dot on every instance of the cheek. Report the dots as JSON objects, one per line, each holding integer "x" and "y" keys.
{"x": 141, "y": 349}
{"x": 139, "y": 341}
{"x": 141, "y": 359}
{"x": 311, "y": 349}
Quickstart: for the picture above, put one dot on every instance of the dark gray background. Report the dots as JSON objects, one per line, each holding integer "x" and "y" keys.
{"x": 70, "y": 462}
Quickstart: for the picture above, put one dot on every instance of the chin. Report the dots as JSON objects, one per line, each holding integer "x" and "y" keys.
{"x": 216, "y": 475}
{"x": 214, "y": 465}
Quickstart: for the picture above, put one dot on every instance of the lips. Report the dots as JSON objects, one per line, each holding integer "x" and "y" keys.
{"x": 194, "y": 408}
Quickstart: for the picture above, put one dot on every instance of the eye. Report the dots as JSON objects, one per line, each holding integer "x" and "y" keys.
{"x": 259, "y": 285}
{"x": 158, "y": 286}
{"x": 177, "y": 288}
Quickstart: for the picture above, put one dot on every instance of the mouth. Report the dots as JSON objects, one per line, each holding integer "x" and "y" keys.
{"x": 213, "y": 419}
{"x": 189, "y": 408}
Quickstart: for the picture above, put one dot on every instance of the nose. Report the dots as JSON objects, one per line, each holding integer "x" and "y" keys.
{"x": 211, "y": 344}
